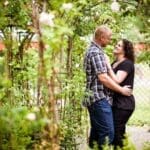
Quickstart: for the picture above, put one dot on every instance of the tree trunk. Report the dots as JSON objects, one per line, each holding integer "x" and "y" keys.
{"x": 43, "y": 82}
{"x": 69, "y": 57}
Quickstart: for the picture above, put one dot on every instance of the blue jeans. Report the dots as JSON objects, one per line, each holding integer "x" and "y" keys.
{"x": 101, "y": 123}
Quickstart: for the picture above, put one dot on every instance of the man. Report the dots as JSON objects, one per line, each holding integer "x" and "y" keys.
{"x": 98, "y": 81}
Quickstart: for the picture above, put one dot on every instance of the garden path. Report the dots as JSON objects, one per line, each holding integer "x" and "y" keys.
{"x": 139, "y": 135}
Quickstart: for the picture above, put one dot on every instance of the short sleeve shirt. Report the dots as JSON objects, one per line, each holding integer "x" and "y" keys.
{"x": 119, "y": 100}
{"x": 94, "y": 64}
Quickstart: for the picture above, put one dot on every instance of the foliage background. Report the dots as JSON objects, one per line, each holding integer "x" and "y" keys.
{"x": 51, "y": 77}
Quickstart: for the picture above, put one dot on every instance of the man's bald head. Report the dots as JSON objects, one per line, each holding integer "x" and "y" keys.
{"x": 102, "y": 35}
{"x": 102, "y": 30}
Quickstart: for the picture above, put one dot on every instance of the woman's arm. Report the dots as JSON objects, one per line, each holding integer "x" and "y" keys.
{"x": 119, "y": 76}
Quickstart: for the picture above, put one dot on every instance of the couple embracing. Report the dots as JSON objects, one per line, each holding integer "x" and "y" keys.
{"x": 108, "y": 117}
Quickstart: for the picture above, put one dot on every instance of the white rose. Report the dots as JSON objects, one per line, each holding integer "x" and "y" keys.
{"x": 67, "y": 6}
{"x": 6, "y": 3}
{"x": 47, "y": 19}
{"x": 115, "y": 6}
{"x": 31, "y": 116}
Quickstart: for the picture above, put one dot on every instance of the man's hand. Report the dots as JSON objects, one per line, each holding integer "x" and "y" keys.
{"x": 126, "y": 90}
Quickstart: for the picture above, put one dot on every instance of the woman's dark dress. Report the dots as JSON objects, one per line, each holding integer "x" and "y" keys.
{"x": 123, "y": 106}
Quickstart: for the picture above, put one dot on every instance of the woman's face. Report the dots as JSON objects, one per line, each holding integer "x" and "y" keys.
{"x": 118, "y": 48}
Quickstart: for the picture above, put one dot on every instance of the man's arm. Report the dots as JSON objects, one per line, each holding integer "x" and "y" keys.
{"x": 109, "y": 83}
{"x": 100, "y": 67}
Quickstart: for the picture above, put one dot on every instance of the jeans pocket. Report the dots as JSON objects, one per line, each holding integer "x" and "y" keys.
{"x": 103, "y": 105}
{"x": 106, "y": 109}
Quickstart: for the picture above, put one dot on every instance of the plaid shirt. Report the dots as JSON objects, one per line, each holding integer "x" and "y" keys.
{"x": 94, "y": 64}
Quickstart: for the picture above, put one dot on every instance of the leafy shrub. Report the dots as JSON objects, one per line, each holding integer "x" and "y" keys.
{"x": 20, "y": 128}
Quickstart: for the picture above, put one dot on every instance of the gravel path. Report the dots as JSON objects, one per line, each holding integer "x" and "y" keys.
{"x": 139, "y": 135}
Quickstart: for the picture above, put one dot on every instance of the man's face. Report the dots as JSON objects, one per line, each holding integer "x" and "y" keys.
{"x": 105, "y": 39}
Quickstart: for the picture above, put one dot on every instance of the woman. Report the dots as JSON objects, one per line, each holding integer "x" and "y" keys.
{"x": 123, "y": 106}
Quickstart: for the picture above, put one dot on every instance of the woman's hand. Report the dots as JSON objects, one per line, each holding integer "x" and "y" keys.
{"x": 107, "y": 61}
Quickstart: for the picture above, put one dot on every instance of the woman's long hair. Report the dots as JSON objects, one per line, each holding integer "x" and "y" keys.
{"x": 128, "y": 50}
